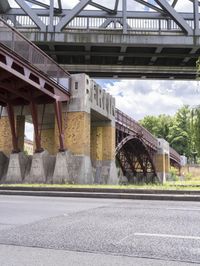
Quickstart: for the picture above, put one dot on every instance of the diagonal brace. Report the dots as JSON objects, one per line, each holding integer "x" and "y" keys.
{"x": 69, "y": 17}
{"x": 58, "y": 111}
{"x": 31, "y": 14}
{"x": 175, "y": 16}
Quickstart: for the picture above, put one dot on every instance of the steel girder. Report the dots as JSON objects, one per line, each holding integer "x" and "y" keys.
{"x": 162, "y": 8}
{"x": 169, "y": 38}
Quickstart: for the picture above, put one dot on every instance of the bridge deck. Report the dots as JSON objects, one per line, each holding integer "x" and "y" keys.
{"x": 158, "y": 42}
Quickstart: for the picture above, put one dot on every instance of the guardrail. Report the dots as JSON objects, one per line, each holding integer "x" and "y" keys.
{"x": 136, "y": 22}
{"x": 19, "y": 44}
{"x": 174, "y": 155}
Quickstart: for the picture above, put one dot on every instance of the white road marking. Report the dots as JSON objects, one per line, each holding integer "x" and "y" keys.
{"x": 124, "y": 238}
{"x": 168, "y": 236}
{"x": 183, "y": 209}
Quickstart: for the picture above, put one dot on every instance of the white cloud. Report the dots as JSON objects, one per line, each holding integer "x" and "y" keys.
{"x": 139, "y": 98}
{"x": 29, "y": 130}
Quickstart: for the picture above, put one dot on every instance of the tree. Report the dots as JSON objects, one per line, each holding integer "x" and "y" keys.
{"x": 180, "y": 136}
{"x": 176, "y": 130}
{"x": 158, "y": 125}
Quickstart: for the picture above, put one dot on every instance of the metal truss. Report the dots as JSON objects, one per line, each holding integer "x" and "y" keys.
{"x": 136, "y": 161}
{"x": 24, "y": 80}
{"x": 159, "y": 15}
{"x": 136, "y": 149}
{"x": 157, "y": 42}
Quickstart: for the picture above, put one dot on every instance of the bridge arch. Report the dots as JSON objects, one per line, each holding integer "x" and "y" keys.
{"x": 135, "y": 159}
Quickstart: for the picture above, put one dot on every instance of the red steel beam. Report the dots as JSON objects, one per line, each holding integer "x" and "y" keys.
{"x": 11, "y": 118}
{"x": 58, "y": 111}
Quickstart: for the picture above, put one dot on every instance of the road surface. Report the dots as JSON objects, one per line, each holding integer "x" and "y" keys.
{"x": 75, "y": 231}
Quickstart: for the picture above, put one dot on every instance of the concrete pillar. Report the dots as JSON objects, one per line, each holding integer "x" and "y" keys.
{"x": 162, "y": 161}
{"x": 103, "y": 153}
{"x": 5, "y": 136}
{"x": 74, "y": 165}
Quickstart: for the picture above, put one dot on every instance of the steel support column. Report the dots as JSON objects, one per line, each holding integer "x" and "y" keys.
{"x": 11, "y": 117}
{"x": 34, "y": 113}
{"x": 58, "y": 111}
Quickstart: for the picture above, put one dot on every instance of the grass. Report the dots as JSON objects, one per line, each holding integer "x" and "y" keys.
{"x": 177, "y": 185}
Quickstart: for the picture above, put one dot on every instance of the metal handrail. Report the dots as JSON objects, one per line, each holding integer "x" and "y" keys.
{"x": 135, "y": 127}
{"x": 18, "y": 43}
{"x": 174, "y": 155}
{"x": 89, "y": 22}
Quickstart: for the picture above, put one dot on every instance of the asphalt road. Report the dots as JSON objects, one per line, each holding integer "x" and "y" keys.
{"x": 73, "y": 231}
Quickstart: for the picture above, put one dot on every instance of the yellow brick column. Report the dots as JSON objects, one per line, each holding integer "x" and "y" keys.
{"x": 5, "y": 136}
{"x": 167, "y": 163}
{"x": 108, "y": 143}
{"x": 103, "y": 143}
{"x": 96, "y": 147}
{"x": 160, "y": 165}
{"x": 47, "y": 140}
{"x": 20, "y": 127}
{"x": 76, "y": 127}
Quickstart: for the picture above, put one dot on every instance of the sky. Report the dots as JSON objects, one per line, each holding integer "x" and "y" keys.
{"x": 139, "y": 98}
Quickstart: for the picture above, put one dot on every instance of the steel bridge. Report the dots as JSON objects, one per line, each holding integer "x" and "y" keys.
{"x": 129, "y": 39}
{"x": 136, "y": 148}
{"x": 28, "y": 77}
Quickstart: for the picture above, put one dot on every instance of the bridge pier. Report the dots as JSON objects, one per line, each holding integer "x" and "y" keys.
{"x": 162, "y": 161}
{"x": 74, "y": 143}
{"x": 89, "y": 133}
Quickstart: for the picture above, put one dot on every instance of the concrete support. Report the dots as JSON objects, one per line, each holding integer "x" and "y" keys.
{"x": 103, "y": 153}
{"x": 42, "y": 167}
{"x": 74, "y": 166}
{"x": 5, "y": 136}
{"x": 162, "y": 161}
{"x": 3, "y": 166}
{"x": 17, "y": 168}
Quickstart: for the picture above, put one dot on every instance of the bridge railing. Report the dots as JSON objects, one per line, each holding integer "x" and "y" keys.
{"x": 133, "y": 126}
{"x": 15, "y": 41}
{"x": 174, "y": 155}
{"x": 141, "y": 23}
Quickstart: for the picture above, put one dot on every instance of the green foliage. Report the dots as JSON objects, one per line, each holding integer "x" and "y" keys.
{"x": 173, "y": 174}
{"x": 182, "y": 131}
{"x": 158, "y": 126}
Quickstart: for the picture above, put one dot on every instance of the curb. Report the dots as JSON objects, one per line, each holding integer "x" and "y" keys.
{"x": 101, "y": 190}
{"x": 133, "y": 196}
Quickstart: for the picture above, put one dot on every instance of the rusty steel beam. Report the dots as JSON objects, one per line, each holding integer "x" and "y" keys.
{"x": 11, "y": 118}
{"x": 58, "y": 112}
{"x": 34, "y": 114}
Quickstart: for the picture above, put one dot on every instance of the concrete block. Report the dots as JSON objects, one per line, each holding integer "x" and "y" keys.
{"x": 106, "y": 172}
{"x": 62, "y": 172}
{"x": 72, "y": 169}
{"x": 42, "y": 167}
{"x": 3, "y": 166}
{"x": 82, "y": 170}
{"x": 18, "y": 164}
